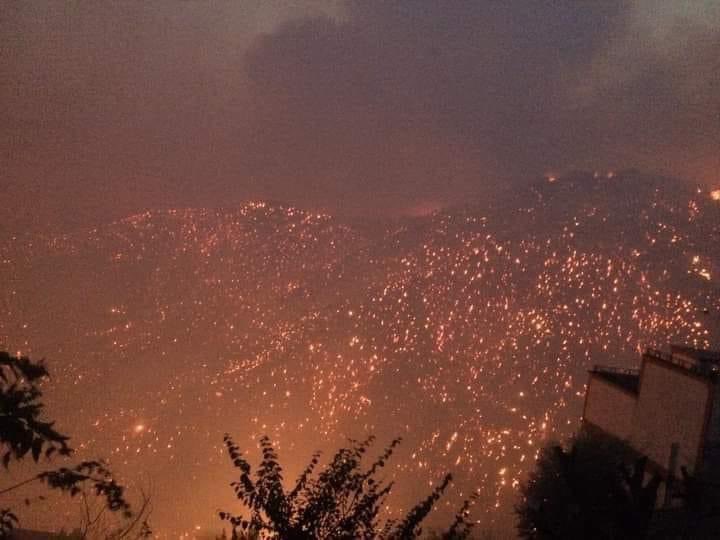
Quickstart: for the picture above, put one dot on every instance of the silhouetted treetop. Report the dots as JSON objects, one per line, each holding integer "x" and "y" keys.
{"x": 23, "y": 431}
{"x": 342, "y": 501}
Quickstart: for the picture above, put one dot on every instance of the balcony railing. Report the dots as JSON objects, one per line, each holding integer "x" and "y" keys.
{"x": 700, "y": 367}
{"x": 656, "y": 353}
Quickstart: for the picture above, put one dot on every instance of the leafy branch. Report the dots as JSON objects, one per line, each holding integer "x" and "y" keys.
{"x": 23, "y": 431}
{"x": 342, "y": 501}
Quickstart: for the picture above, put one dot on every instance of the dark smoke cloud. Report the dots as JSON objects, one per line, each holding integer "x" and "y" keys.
{"x": 377, "y": 107}
{"x": 410, "y": 102}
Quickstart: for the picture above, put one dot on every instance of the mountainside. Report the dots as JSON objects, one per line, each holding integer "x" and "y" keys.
{"x": 467, "y": 332}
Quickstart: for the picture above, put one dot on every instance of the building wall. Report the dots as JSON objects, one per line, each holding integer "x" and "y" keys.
{"x": 671, "y": 408}
{"x": 713, "y": 433}
{"x": 711, "y": 466}
{"x": 609, "y": 407}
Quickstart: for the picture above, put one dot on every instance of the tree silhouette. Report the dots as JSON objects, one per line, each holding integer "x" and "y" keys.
{"x": 98, "y": 523}
{"x": 23, "y": 431}
{"x": 588, "y": 492}
{"x": 698, "y": 514}
{"x": 343, "y": 501}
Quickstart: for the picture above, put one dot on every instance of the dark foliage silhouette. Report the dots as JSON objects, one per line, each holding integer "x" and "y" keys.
{"x": 588, "y": 492}
{"x": 342, "y": 501}
{"x": 98, "y": 522}
{"x": 23, "y": 432}
{"x": 695, "y": 512}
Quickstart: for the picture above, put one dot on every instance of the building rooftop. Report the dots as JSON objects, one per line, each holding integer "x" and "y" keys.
{"x": 701, "y": 362}
{"x": 628, "y": 379}
{"x": 699, "y": 355}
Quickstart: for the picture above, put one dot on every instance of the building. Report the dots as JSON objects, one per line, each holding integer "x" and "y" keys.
{"x": 668, "y": 410}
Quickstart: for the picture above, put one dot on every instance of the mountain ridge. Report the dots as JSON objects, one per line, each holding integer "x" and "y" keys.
{"x": 468, "y": 331}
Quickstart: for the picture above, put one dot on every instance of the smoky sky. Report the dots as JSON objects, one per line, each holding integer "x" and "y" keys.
{"x": 352, "y": 107}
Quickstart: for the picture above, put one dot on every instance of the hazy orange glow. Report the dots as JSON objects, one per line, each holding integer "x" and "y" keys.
{"x": 467, "y": 332}
{"x": 459, "y": 208}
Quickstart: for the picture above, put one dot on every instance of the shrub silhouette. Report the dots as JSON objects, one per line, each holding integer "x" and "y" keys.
{"x": 343, "y": 501}
{"x": 587, "y": 491}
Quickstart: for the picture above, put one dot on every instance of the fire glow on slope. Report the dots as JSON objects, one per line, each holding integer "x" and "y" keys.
{"x": 468, "y": 333}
